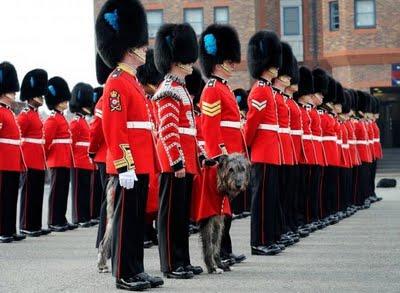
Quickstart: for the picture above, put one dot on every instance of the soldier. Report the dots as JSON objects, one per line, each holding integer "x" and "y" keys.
{"x": 34, "y": 87}
{"x": 377, "y": 146}
{"x": 261, "y": 132}
{"x": 58, "y": 153}
{"x": 122, "y": 38}
{"x": 307, "y": 158}
{"x": 221, "y": 125}
{"x": 150, "y": 78}
{"x": 174, "y": 54}
{"x": 81, "y": 173}
{"x": 10, "y": 139}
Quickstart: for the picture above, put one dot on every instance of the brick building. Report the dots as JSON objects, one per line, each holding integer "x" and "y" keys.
{"x": 357, "y": 41}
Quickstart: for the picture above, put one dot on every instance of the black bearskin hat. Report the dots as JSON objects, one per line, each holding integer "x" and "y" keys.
{"x": 295, "y": 72}
{"x": 375, "y": 100}
{"x": 148, "y": 73}
{"x": 287, "y": 60}
{"x": 195, "y": 84}
{"x": 97, "y": 93}
{"x": 241, "y": 98}
{"x": 339, "y": 94}
{"x": 102, "y": 70}
{"x": 34, "y": 84}
{"x": 306, "y": 83}
{"x": 346, "y": 102}
{"x": 120, "y": 25}
{"x": 175, "y": 43}
{"x": 218, "y": 43}
{"x": 353, "y": 100}
{"x": 57, "y": 92}
{"x": 264, "y": 51}
{"x": 8, "y": 78}
{"x": 321, "y": 81}
{"x": 81, "y": 97}
{"x": 331, "y": 93}
{"x": 362, "y": 102}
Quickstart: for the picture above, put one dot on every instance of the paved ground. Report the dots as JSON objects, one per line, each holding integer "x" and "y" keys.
{"x": 360, "y": 254}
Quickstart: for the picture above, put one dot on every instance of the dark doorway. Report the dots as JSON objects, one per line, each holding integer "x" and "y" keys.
{"x": 389, "y": 122}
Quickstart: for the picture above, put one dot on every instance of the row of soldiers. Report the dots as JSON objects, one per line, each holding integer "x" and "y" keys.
{"x": 160, "y": 132}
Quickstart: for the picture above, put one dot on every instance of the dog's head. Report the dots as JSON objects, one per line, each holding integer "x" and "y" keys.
{"x": 233, "y": 175}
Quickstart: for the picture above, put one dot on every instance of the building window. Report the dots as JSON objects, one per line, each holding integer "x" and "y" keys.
{"x": 154, "y": 21}
{"x": 221, "y": 15}
{"x": 334, "y": 15}
{"x": 364, "y": 13}
{"x": 194, "y": 16}
{"x": 291, "y": 21}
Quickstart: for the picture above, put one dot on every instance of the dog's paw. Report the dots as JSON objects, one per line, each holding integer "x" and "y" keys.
{"x": 104, "y": 270}
{"x": 216, "y": 271}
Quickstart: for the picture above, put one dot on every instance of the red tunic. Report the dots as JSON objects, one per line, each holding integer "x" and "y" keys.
{"x": 309, "y": 156}
{"x": 221, "y": 130}
{"x": 329, "y": 138}
{"x": 317, "y": 136}
{"x": 362, "y": 141}
{"x": 10, "y": 139}
{"x": 32, "y": 139}
{"x": 377, "y": 141}
{"x": 339, "y": 144}
{"x": 57, "y": 141}
{"x": 97, "y": 143}
{"x": 284, "y": 130}
{"x": 355, "y": 158}
{"x": 345, "y": 145}
{"x": 80, "y": 143}
{"x": 261, "y": 129}
{"x": 176, "y": 145}
{"x": 126, "y": 124}
{"x": 370, "y": 132}
{"x": 296, "y": 129}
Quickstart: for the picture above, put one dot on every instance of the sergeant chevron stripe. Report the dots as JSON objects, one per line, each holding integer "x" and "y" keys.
{"x": 258, "y": 105}
{"x": 211, "y": 109}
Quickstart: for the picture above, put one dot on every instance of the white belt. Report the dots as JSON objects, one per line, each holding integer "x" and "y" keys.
{"x": 272, "y": 127}
{"x": 296, "y": 132}
{"x": 362, "y": 142}
{"x": 10, "y": 141}
{"x": 284, "y": 130}
{"x": 139, "y": 125}
{"x": 307, "y": 136}
{"x": 82, "y": 143}
{"x": 339, "y": 141}
{"x": 33, "y": 140}
{"x": 352, "y": 141}
{"x": 329, "y": 138}
{"x": 187, "y": 131}
{"x": 62, "y": 140}
{"x": 317, "y": 138}
{"x": 231, "y": 124}
{"x": 345, "y": 146}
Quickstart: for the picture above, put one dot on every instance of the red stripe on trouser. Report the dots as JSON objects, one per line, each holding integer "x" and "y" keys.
{"x": 92, "y": 194}
{"x": 76, "y": 195}
{"x": 53, "y": 198}
{"x": 320, "y": 190}
{"x": 262, "y": 207}
{"x": 26, "y": 199}
{"x": 1, "y": 193}
{"x": 120, "y": 232}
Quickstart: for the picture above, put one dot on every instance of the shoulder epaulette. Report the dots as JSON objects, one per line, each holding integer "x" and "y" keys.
{"x": 117, "y": 72}
{"x": 167, "y": 91}
{"x": 261, "y": 83}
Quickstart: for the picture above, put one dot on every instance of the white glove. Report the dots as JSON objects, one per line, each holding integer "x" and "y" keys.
{"x": 127, "y": 179}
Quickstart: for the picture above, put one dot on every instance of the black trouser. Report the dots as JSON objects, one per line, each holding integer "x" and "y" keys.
{"x": 96, "y": 195}
{"x": 128, "y": 229}
{"x": 289, "y": 190}
{"x": 302, "y": 215}
{"x": 80, "y": 181}
{"x": 103, "y": 209}
{"x": 58, "y": 199}
{"x": 9, "y": 182}
{"x": 332, "y": 189}
{"x": 241, "y": 203}
{"x": 316, "y": 185}
{"x": 173, "y": 221}
{"x": 362, "y": 184}
{"x": 373, "y": 175}
{"x": 30, "y": 215}
{"x": 345, "y": 188}
{"x": 265, "y": 215}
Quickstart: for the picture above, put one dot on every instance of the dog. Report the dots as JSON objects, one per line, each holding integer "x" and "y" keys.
{"x": 104, "y": 252}
{"x": 233, "y": 176}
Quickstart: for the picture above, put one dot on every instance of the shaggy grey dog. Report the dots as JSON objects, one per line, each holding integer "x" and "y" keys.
{"x": 233, "y": 175}
{"x": 104, "y": 252}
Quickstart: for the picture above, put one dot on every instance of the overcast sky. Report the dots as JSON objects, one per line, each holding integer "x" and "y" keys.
{"x": 56, "y": 35}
